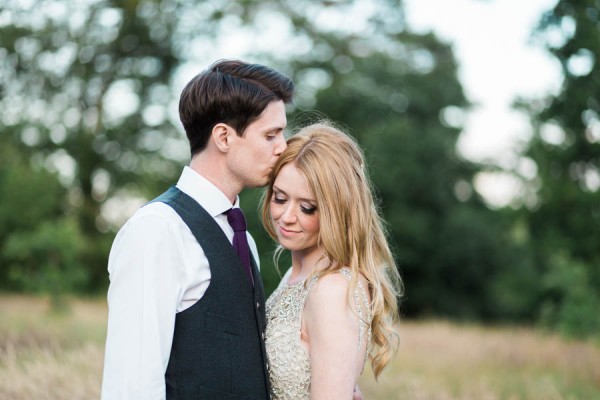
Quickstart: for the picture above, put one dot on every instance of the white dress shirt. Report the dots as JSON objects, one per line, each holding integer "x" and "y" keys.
{"x": 156, "y": 269}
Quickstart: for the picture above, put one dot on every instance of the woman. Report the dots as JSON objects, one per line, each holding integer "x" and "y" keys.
{"x": 336, "y": 305}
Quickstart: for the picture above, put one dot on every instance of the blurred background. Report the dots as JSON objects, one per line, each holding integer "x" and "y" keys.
{"x": 480, "y": 121}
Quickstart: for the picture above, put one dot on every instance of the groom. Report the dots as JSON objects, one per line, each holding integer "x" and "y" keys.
{"x": 186, "y": 315}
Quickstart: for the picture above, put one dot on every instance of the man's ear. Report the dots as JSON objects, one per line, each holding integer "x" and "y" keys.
{"x": 221, "y": 134}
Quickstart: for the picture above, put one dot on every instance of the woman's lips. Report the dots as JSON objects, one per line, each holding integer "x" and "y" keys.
{"x": 286, "y": 232}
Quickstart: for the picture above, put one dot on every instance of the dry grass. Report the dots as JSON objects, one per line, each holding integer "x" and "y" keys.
{"x": 46, "y": 356}
{"x": 441, "y": 360}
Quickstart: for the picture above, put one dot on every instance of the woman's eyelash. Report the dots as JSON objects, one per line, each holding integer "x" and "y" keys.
{"x": 308, "y": 210}
{"x": 277, "y": 200}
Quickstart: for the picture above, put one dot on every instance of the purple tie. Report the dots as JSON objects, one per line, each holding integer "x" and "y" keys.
{"x": 236, "y": 219}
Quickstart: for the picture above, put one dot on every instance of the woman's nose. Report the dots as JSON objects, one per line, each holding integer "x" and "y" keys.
{"x": 288, "y": 215}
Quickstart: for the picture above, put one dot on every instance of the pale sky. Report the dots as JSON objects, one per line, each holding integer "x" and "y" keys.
{"x": 498, "y": 62}
{"x": 490, "y": 40}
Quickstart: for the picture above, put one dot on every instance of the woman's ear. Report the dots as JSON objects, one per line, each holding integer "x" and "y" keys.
{"x": 221, "y": 136}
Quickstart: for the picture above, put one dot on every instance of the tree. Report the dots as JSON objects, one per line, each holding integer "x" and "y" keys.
{"x": 399, "y": 95}
{"x": 449, "y": 245}
{"x": 85, "y": 87}
{"x": 565, "y": 147}
{"x": 40, "y": 247}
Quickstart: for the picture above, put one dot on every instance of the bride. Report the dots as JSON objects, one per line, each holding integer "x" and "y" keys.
{"x": 335, "y": 307}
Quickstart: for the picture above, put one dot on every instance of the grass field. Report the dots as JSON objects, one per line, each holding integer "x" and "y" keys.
{"x": 44, "y": 356}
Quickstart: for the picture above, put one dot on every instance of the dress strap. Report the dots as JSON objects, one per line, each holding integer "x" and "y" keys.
{"x": 363, "y": 309}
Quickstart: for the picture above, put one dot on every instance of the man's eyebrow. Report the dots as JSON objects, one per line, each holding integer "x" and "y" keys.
{"x": 274, "y": 129}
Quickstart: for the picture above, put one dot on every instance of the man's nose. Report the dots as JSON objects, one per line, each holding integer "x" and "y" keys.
{"x": 281, "y": 145}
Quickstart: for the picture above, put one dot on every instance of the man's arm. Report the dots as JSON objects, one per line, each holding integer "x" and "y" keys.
{"x": 143, "y": 297}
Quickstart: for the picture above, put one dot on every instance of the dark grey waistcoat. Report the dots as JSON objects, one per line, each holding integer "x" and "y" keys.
{"x": 218, "y": 348}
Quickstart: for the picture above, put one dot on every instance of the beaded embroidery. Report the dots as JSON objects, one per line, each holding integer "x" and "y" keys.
{"x": 289, "y": 361}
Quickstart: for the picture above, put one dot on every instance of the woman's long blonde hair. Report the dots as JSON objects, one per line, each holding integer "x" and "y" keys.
{"x": 351, "y": 230}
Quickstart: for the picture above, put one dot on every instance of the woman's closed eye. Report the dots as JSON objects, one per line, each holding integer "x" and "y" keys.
{"x": 308, "y": 210}
{"x": 305, "y": 208}
{"x": 279, "y": 200}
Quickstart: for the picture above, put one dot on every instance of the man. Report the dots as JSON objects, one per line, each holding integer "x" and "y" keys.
{"x": 186, "y": 313}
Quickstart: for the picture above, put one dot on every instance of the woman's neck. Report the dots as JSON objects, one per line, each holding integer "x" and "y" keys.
{"x": 306, "y": 262}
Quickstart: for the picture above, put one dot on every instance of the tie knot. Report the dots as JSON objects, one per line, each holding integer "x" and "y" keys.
{"x": 236, "y": 219}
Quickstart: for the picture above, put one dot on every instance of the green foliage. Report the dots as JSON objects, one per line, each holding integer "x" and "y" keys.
{"x": 86, "y": 85}
{"x": 89, "y": 86}
{"x": 40, "y": 247}
{"x": 562, "y": 223}
{"x": 572, "y": 303}
{"x": 449, "y": 251}
{"x": 47, "y": 259}
{"x": 29, "y": 196}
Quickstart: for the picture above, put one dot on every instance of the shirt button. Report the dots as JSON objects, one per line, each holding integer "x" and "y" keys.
{"x": 257, "y": 305}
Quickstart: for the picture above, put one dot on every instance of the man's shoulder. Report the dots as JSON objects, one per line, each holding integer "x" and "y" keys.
{"x": 153, "y": 214}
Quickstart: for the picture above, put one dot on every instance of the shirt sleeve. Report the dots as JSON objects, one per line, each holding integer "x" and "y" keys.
{"x": 145, "y": 289}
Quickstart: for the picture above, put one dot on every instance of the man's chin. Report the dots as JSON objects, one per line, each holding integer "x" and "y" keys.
{"x": 259, "y": 184}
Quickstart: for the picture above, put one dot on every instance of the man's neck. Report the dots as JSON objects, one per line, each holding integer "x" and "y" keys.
{"x": 215, "y": 171}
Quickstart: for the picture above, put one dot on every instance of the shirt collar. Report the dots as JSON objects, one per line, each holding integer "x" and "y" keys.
{"x": 204, "y": 192}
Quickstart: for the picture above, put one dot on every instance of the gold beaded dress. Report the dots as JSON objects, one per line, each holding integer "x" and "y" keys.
{"x": 289, "y": 361}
